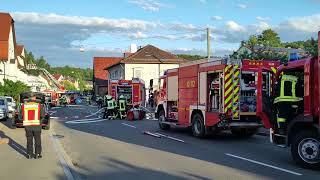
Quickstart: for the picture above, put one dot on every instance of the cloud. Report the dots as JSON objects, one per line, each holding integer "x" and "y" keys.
{"x": 259, "y": 18}
{"x": 184, "y": 27}
{"x": 217, "y": 18}
{"x": 149, "y": 5}
{"x": 232, "y": 25}
{"x": 57, "y": 37}
{"x": 242, "y": 6}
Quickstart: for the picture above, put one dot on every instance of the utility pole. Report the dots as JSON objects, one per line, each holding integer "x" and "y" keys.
{"x": 208, "y": 42}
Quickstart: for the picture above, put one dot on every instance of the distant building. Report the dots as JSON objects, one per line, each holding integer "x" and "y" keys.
{"x": 100, "y": 79}
{"x": 58, "y": 77}
{"x": 147, "y": 63}
{"x": 8, "y": 48}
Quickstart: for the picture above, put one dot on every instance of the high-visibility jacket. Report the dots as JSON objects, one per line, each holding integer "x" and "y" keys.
{"x": 288, "y": 90}
{"x": 111, "y": 104}
{"x": 122, "y": 105}
{"x": 287, "y": 93}
{"x": 31, "y": 114}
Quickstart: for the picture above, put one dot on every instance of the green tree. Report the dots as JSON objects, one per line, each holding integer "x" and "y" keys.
{"x": 68, "y": 85}
{"x": 190, "y": 57}
{"x": 311, "y": 46}
{"x": 269, "y": 38}
{"x": 30, "y": 58}
{"x": 13, "y": 89}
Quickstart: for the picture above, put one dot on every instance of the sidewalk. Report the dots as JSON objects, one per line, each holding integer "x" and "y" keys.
{"x": 14, "y": 165}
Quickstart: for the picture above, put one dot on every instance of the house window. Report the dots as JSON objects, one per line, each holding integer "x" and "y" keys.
{"x": 12, "y": 61}
{"x": 138, "y": 73}
{"x": 116, "y": 73}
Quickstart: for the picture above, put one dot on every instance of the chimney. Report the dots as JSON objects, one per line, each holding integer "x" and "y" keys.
{"x": 133, "y": 48}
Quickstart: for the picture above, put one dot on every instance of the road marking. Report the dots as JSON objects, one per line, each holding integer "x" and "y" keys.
{"x": 263, "y": 164}
{"x": 128, "y": 125}
{"x": 52, "y": 112}
{"x": 169, "y": 137}
{"x": 84, "y": 121}
{"x": 65, "y": 161}
{"x": 55, "y": 107}
{"x": 54, "y": 117}
{"x": 92, "y": 114}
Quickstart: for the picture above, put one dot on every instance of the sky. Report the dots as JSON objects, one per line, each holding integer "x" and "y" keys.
{"x": 58, "y": 29}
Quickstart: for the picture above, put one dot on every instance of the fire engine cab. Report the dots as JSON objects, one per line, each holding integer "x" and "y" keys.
{"x": 210, "y": 96}
{"x": 133, "y": 90}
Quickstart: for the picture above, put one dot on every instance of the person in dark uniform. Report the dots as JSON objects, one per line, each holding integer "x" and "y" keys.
{"x": 32, "y": 124}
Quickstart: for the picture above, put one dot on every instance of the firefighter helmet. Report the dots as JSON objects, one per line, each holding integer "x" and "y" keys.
{"x": 109, "y": 97}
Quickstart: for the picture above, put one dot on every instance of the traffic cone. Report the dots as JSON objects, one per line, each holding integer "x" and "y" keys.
{"x": 4, "y": 140}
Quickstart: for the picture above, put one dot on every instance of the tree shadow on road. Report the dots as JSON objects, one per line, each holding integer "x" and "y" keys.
{"x": 14, "y": 145}
{"x": 117, "y": 169}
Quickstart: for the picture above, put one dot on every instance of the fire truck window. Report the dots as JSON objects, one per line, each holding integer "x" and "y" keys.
{"x": 287, "y": 91}
{"x": 248, "y": 101}
{"x": 214, "y": 91}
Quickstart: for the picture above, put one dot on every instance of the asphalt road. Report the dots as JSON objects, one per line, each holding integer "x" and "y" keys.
{"x": 117, "y": 149}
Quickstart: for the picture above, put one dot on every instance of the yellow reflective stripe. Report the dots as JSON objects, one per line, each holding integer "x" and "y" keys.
{"x": 228, "y": 83}
{"x": 287, "y": 99}
{"x": 281, "y": 119}
{"x": 236, "y": 98}
{"x": 227, "y": 75}
{"x": 228, "y": 92}
{"x": 31, "y": 122}
{"x": 236, "y": 114}
{"x": 237, "y": 72}
{"x": 274, "y": 70}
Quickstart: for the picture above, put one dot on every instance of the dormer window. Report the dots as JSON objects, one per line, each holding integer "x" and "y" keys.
{"x": 12, "y": 61}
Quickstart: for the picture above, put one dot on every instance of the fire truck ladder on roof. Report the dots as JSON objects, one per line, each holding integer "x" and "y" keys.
{"x": 52, "y": 79}
{"x": 232, "y": 90}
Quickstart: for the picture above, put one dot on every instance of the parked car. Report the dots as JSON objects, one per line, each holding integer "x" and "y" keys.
{"x": 11, "y": 104}
{"x": 3, "y": 109}
{"x": 17, "y": 121}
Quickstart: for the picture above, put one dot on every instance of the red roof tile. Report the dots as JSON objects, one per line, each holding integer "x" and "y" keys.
{"x": 57, "y": 76}
{"x": 19, "y": 49}
{"x": 6, "y": 22}
{"x": 100, "y": 63}
{"x": 153, "y": 55}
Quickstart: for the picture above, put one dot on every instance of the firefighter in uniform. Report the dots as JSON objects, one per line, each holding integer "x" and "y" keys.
{"x": 286, "y": 102}
{"x": 32, "y": 124}
{"x": 110, "y": 108}
{"x": 122, "y": 106}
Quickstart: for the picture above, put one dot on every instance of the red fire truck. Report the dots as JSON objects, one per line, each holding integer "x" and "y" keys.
{"x": 51, "y": 97}
{"x": 133, "y": 90}
{"x": 294, "y": 121}
{"x": 210, "y": 96}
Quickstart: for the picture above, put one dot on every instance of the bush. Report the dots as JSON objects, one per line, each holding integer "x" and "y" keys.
{"x": 13, "y": 89}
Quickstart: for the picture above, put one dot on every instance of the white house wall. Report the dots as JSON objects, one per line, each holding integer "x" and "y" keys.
{"x": 148, "y": 71}
{"x": 11, "y": 69}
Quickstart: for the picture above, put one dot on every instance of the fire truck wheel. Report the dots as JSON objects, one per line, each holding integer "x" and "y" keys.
{"x": 305, "y": 149}
{"x": 161, "y": 119}
{"x": 198, "y": 128}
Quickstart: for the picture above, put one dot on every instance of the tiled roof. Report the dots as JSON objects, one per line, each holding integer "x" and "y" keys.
{"x": 100, "y": 63}
{"x": 57, "y": 76}
{"x": 152, "y": 55}
{"x": 19, "y": 49}
{"x": 5, "y": 23}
